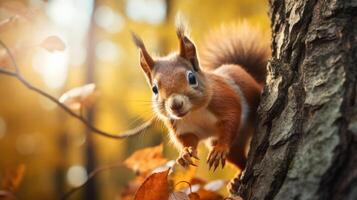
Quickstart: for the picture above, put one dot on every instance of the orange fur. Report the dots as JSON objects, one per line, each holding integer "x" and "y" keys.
{"x": 220, "y": 105}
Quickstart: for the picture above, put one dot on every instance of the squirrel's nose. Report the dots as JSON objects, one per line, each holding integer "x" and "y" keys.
{"x": 176, "y": 105}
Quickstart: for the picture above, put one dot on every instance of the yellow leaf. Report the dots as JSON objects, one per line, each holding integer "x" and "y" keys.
{"x": 155, "y": 187}
{"x": 53, "y": 43}
{"x": 78, "y": 97}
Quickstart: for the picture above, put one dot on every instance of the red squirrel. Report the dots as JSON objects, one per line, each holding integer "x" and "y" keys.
{"x": 213, "y": 97}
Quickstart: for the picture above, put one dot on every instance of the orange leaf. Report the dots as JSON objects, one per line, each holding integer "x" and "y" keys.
{"x": 194, "y": 196}
{"x": 145, "y": 160}
{"x": 53, "y": 43}
{"x": 13, "y": 178}
{"x": 155, "y": 187}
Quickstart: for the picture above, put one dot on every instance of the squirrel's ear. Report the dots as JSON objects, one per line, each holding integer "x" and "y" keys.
{"x": 146, "y": 62}
{"x": 187, "y": 47}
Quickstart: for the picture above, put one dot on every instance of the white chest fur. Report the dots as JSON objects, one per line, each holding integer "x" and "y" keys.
{"x": 201, "y": 122}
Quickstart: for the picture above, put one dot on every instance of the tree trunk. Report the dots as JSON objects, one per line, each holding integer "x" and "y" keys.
{"x": 306, "y": 141}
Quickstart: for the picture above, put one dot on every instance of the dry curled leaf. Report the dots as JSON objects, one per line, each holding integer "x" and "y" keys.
{"x": 194, "y": 196}
{"x": 145, "y": 160}
{"x": 13, "y": 178}
{"x": 179, "y": 196}
{"x": 209, "y": 195}
{"x": 53, "y": 43}
{"x": 79, "y": 97}
{"x": 155, "y": 187}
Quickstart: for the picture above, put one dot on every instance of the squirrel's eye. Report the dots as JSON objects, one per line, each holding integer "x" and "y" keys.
{"x": 155, "y": 90}
{"x": 191, "y": 78}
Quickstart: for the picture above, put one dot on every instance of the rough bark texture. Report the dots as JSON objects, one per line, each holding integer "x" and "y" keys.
{"x": 306, "y": 143}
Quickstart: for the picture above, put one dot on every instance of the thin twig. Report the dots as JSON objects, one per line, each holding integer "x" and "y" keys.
{"x": 17, "y": 74}
{"x": 90, "y": 177}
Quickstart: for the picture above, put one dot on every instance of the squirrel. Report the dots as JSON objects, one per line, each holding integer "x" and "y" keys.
{"x": 213, "y": 97}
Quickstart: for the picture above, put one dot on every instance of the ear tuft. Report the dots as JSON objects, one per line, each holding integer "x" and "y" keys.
{"x": 137, "y": 40}
{"x": 146, "y": 62}
{"x": 181, "y": 26}
{"x": 187, "y": 47}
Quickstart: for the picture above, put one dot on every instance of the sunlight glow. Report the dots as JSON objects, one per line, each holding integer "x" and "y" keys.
{"x": 52, "y": 66}
{"x": 76, "y": 175}
{"x": 109, "y": 20}
{"x": 71, "y": 20}
{"x": 153, "y": 12}
{"x": 61, "y": 12}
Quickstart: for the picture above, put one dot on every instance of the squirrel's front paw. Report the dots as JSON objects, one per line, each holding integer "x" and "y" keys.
{"x": 217, "y": 155}
{"x": 186, "y": 155}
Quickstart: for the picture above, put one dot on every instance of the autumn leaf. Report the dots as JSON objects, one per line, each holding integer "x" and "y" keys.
{"x": 13, "y": 178}
{"x": 131, "y": 188}
{"x": 194, "y": 196}
{"x": 209, "y": 195}
{"x": 179, "y": 196}
{"x": 79, "y": 97}
{"x": 155, "y": 187}
{"x": 145, "y": 160}
{"x": 53, "y": 43}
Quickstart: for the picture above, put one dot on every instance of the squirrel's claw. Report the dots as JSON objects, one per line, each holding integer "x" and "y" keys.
{"x": 186, "y": 156}
{"x": 217, "y": 156}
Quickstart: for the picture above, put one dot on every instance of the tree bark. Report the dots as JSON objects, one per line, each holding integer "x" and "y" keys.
{"x": 306, "y": 141}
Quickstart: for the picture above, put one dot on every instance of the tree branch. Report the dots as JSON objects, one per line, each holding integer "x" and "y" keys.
{"x": 17, "y": 74}
{"x": 90, "y": 177}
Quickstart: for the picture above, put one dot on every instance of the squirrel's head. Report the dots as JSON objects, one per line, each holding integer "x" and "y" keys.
{"x": 178, "y": 84}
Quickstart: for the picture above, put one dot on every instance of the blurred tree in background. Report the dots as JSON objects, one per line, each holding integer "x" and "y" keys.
{"x": 57, "y": 151}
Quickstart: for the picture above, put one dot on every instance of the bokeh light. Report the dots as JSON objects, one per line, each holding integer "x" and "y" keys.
{"x": 76, "y": 175}
{"x": 107, "y": 50}
{"x": 108, "y": 19}
{"x": 52, "y": 67}
{"x": 152, "y": 12}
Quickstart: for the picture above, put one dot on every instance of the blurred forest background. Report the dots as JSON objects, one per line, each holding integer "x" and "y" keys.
{"x": 56, "y": 149}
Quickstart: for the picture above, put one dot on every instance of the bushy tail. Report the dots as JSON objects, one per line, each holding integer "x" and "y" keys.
{"x": 239, "y": 44}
